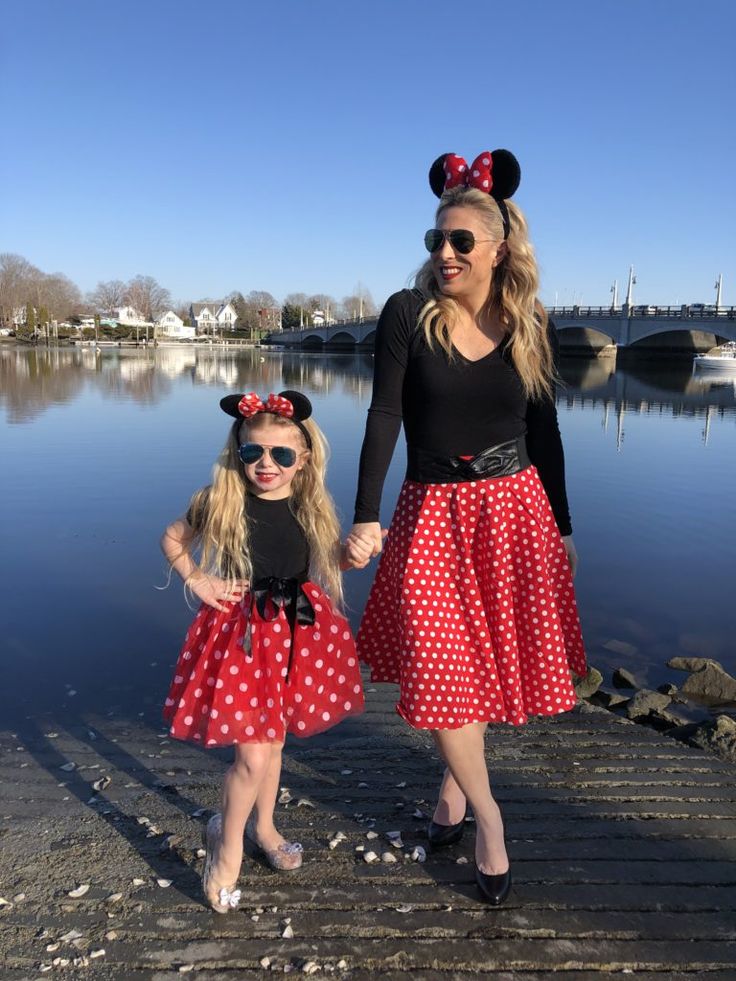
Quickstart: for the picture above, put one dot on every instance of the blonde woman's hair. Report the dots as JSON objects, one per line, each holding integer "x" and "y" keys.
{"x": 512, "y": 294}
{"x": 218, "y": 513}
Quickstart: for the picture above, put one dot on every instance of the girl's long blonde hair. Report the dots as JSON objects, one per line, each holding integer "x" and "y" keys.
{"x": 218, "y": 513}
{"x": 512, "y": 294}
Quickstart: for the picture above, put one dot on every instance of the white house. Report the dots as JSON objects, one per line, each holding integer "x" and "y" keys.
{"x": 212, "y": 316}
{"x": 170, "y": 325}
{"x": 130, "y": 317}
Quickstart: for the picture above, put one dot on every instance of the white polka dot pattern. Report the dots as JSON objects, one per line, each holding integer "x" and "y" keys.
{"x": 220, "y": 696}
{"x": 473, "y": 611}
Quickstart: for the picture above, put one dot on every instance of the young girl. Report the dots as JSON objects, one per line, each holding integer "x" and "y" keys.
{"x": 267, "y": 652}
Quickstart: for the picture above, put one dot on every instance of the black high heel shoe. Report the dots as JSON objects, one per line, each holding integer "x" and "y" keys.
{"x": 442, "y": 835}
{"x": 494, "y": 888}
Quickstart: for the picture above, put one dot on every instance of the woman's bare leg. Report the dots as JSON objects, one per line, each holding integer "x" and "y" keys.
{"x": 464, "y": 752}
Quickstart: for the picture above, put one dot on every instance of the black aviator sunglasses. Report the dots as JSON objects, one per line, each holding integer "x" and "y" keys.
{"x": 282, "y": 456}
{"x": 461, "y": 240}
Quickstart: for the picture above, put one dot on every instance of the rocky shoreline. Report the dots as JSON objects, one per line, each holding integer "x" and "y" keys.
{"x": 707, "y": 689}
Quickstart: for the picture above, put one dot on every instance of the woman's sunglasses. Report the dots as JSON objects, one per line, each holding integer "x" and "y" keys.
{"x": 282, "y": 456}
{"x": 461, "y": 240}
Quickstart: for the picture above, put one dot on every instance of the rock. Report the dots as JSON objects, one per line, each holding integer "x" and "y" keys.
{"x": 288, "y": 932}
{"x": 691, "y": 663}
{"x": 265, "y": 962}
{"x": 370, "y": 857}
{"x": 711, "y": 685}
{"x": 620, "y": 647}
{"x": 589, "y": 685}
{"x": 418, "y": 854}
{"x": 388, "y": 858}
{"x": 717, "y": 736}
{"x": 645, "y": 702}
{"x": 668, "y": 689}
{"x": 609, "y": 699}
{"x": 624, "y": 679}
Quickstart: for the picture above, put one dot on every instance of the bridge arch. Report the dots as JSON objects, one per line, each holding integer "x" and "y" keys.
{"x": 313, "y": 342}
{"x": 343, "y": 338}
{"x": 680, "y": 338}
{"x": 584, "y": 336}
{"x": 369, "y": 339}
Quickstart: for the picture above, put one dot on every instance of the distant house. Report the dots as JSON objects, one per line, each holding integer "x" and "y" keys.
{"x": 130, "y": 317}
{"x": 171, "y": 325}
{"x": 213, "y": 315}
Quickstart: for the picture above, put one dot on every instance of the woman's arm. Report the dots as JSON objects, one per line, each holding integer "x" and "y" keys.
{"x": 544, "y": 444}
{"x": 384, "y": 418}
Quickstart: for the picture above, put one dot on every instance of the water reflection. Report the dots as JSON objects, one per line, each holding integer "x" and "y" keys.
{"x": 32, "y": 379}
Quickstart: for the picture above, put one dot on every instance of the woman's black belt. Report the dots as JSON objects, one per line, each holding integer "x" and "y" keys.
{"x": 501, "y": 460}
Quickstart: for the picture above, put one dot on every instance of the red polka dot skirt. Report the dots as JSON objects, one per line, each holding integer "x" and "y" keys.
{"x": 222, "y": 695}
{"x": 473, "y": 610}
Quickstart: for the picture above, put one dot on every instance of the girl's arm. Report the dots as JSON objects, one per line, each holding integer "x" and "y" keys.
{"x": 176, "y": 543}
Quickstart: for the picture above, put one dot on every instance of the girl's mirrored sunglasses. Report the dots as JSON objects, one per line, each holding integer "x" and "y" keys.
{"x": 461, "y": 240}
{"x": 282, "y": 456}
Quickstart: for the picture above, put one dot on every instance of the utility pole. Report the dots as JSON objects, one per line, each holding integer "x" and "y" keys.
{"x": 630, "y": 288}
{"x": 718, "y": 288}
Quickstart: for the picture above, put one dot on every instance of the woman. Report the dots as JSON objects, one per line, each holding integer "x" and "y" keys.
{"x": 473, "y": 611}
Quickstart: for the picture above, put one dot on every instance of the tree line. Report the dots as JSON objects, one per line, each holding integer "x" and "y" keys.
{"x": 41, "y": 298}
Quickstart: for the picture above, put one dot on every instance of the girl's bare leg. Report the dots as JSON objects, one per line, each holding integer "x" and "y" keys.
{"x": 463, "y": 751}
{"x": 240, "y": 790}
{"x": 263, "y": 824}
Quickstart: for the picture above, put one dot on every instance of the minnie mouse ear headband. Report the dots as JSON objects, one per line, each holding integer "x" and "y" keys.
{"x": 496, "y": 173}
{"x": 290, "y": 405}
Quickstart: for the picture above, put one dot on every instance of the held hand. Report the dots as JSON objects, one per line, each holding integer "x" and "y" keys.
{"x": 217, "y": 592}
{"x": 572, "y": 555}
{"x": 363, "y": 542}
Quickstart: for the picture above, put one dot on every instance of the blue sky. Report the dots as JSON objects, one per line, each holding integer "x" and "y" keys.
{"x": 229, "y": 145}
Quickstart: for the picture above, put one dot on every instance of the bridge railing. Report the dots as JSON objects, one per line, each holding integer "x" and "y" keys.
{"x": 697, "y": 311}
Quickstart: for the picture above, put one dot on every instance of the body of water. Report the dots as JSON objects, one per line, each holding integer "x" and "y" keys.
{"x": 101, "y": 450}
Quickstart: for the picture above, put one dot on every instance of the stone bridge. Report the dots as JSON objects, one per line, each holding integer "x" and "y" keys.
{"x": 592, "y": 327}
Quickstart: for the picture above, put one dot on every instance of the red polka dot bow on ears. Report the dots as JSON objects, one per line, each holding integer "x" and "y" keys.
{"x": 250, "y": 405}
{"x": 495, "y": 172}
{"x": 478, "y": 174}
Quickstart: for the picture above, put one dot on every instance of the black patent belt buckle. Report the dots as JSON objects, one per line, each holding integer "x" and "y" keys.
{"x": 502, "y": 460}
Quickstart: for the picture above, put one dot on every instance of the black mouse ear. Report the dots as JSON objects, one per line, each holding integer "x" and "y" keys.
{"x": 437, "y": 175}
{"x": 506, "y": 174}
{"x": 230, "y": 404}
{"x": 302, "y": 405}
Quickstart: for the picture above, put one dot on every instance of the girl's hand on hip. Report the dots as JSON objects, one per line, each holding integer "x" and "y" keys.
{"x": 216, "y": 592}
{"x": 572, "y": 555}
{"x": 363, "y": 542}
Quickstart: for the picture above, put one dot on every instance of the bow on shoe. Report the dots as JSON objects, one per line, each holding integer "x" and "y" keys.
{"x": 228, "y": 898}
{"x": 251, "y": 404}
{"x": 458, "y": 174}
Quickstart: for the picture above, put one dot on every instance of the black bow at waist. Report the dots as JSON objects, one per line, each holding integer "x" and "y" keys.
{"x": 270, "y": 595}
{"x": 501, "y": 460}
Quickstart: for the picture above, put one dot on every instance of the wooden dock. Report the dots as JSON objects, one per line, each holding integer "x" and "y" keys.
{"x": 622, "y": 842}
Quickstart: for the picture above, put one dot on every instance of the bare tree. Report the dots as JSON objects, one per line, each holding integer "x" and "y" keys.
{"x": 109, "y": 296}
{"x": 358, "y": 304}
{"x": 16, "y": 279}
{"x": 147, "y": 297}
{"x": 59, "y": 295}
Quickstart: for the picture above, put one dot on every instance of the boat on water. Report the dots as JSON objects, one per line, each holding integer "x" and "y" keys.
{"x": 723, "y": 359}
